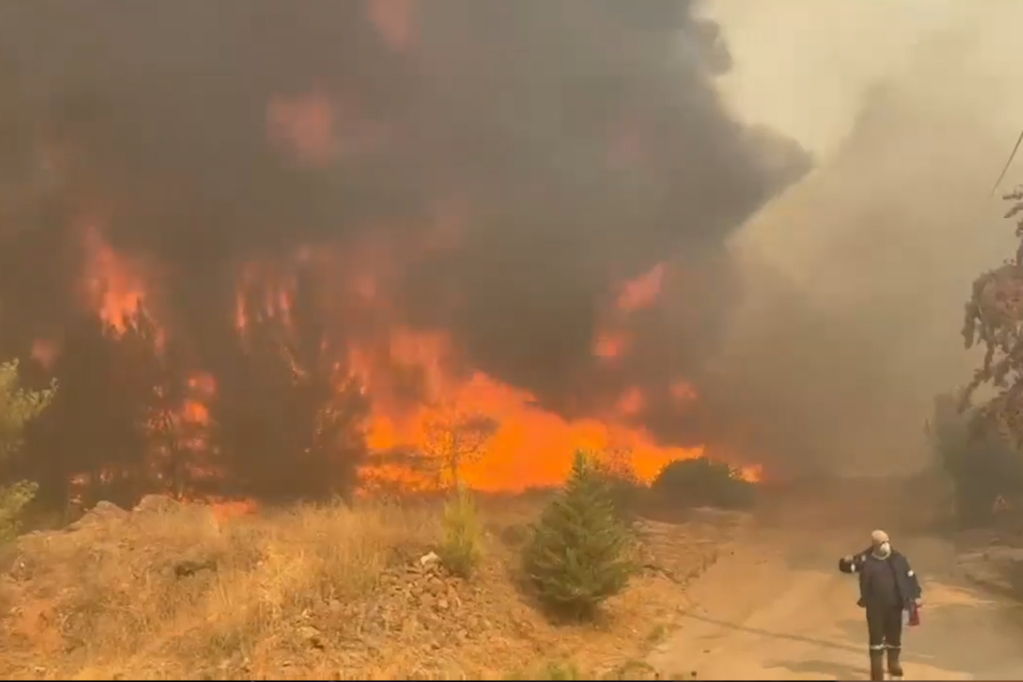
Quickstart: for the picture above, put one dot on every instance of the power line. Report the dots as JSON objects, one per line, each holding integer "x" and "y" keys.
{"x": 1001, "y": 176}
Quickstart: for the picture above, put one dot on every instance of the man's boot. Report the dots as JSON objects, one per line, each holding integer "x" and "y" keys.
{"x": 894, "y": 666}
{"x": 876, "y": 664}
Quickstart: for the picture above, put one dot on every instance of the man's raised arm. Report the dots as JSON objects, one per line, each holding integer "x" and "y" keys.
{"x": 851, "y": 563}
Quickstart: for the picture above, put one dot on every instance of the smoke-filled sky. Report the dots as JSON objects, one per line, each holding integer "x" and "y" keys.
{"x": 569, "y": 146}
{"x": 580, "y": 142}
{"x": 860, "y": 272}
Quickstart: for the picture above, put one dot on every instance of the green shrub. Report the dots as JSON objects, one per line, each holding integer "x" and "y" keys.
{"x": 626, "y": 490}
{"x": 13, "y": 500}
{"x": 978, "y": 460}
{"x": 461, "y": 550}
{"x": 579, "y": 553}
{"x": 17, "y": 408}
{"x": 702, "y": 482}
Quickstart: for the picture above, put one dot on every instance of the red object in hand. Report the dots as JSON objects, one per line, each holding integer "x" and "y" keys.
{"x": 914, "y": 615}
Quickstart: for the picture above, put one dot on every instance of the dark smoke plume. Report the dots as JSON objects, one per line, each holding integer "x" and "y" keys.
{"x": 584, "y": 139}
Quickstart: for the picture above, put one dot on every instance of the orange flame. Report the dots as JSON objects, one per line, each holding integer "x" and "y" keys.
{"x": 754, "y": 473}
{"x": 393, "y": 20}
{"x": 305, "y": 126}
{"x": 528, "y": 446}
{"x": 523, "y": 444}
{"x": 531, "y": 447}
{"x": 113, "y": 286}
{"x": 642, "y": 291}
{"x": 609, "y": 345}
{"x": 45, "y": 352}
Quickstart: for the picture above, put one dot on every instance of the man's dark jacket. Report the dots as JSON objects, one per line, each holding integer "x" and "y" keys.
{"x": 888, "y": 582}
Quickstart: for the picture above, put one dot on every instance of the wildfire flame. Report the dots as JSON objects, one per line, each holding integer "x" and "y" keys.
{"x": 113, "y": 286}
{"x": 523, "y": 446}
{"x": 527, "y": 446}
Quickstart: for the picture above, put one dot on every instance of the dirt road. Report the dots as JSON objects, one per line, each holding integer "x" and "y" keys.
{"x": 775, "y": 607}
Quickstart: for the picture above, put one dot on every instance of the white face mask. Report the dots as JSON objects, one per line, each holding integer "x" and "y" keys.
{"x": 883, "y": 550}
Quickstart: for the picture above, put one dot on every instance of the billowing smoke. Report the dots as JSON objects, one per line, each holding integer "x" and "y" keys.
{"x": 567, "y": 146}
{"x": 858, "y": 275}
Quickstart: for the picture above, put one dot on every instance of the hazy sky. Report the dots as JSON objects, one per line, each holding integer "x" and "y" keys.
{"x": 803, "y": 66}
{"x": 862, "y": 269}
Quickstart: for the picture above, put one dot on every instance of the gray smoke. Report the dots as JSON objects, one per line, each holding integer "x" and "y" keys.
{"x": 585, "y": 138}
{"x": 852, "y": 321}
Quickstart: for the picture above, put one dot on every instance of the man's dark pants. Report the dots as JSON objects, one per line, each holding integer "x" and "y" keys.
{"x": 884, "y": 631}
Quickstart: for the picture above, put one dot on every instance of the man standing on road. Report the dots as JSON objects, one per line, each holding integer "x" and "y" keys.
{"x": 888, "y": 586}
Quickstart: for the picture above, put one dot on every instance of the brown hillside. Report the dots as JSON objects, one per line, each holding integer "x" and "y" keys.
{"x": 176, "y": 591}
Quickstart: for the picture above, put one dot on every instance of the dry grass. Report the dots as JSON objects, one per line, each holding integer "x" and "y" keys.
{"x": 174, "y": 592}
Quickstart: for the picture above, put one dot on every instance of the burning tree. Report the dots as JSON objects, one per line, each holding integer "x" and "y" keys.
{"x": 453, "y": 440}
{"x": 288, "y": 398}
{"x": 17, "y": 408}
{"x": 96, "y": 438}
{"x": 136, "y": 416}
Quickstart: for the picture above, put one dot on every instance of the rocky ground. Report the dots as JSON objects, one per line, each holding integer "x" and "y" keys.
{"x": 177, "y": 591}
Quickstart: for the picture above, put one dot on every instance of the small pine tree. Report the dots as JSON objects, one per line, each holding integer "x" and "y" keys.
{"x": 579, "y": 554}
{"x": 463, "y": 535}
